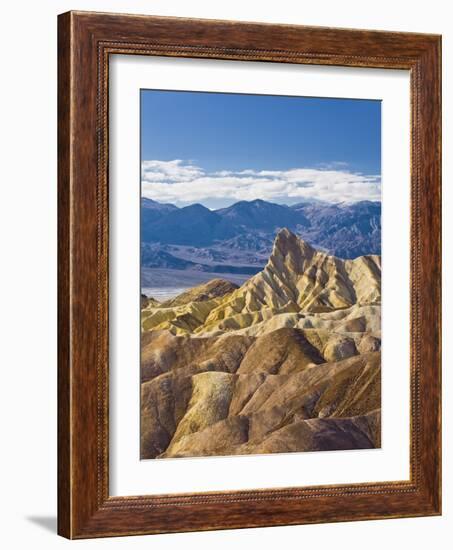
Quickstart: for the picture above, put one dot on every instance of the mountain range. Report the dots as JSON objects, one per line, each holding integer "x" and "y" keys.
{"x": 239, "y": 239}
{"x": 288, "y": 361}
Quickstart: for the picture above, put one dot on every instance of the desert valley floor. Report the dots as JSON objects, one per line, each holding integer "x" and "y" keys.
{"x": 287, "y": 362}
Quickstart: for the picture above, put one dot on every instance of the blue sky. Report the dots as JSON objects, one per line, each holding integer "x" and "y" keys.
{"x": 218, "y": 148}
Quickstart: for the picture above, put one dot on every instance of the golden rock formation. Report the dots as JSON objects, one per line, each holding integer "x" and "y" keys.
{"x": 290, "y": 361}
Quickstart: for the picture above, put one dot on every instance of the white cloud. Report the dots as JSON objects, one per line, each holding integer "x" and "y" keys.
{"x": 172, "y": 170}
{"x": 184, "y": 183}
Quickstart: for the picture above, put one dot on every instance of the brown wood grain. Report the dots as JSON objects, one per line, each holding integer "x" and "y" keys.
{"x": 64, "y": 369}
{"x": 86, "y": 40}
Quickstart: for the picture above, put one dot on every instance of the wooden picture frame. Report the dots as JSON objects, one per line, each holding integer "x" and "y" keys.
{"x": 85, "y": 41}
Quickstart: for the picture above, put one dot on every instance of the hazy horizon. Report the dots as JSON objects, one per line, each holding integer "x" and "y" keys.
{"x": 288, "y": 204}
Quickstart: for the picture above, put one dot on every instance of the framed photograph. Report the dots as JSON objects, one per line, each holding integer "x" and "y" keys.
{"x": 249, "y": 275}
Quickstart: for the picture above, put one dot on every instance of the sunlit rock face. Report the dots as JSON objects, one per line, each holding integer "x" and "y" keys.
{"x": 288, "y": 362}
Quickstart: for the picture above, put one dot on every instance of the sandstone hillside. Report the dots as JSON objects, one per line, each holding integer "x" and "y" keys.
{"x": 297, "y": 280}
{"x": 290, "y": 361}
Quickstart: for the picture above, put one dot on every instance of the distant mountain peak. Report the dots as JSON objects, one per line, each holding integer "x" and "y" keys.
{"x": 196, "y": 206}
{"x": 344, "y": 230}
{"x": 157, "y": 206}
{"x": 261, "y": 215}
